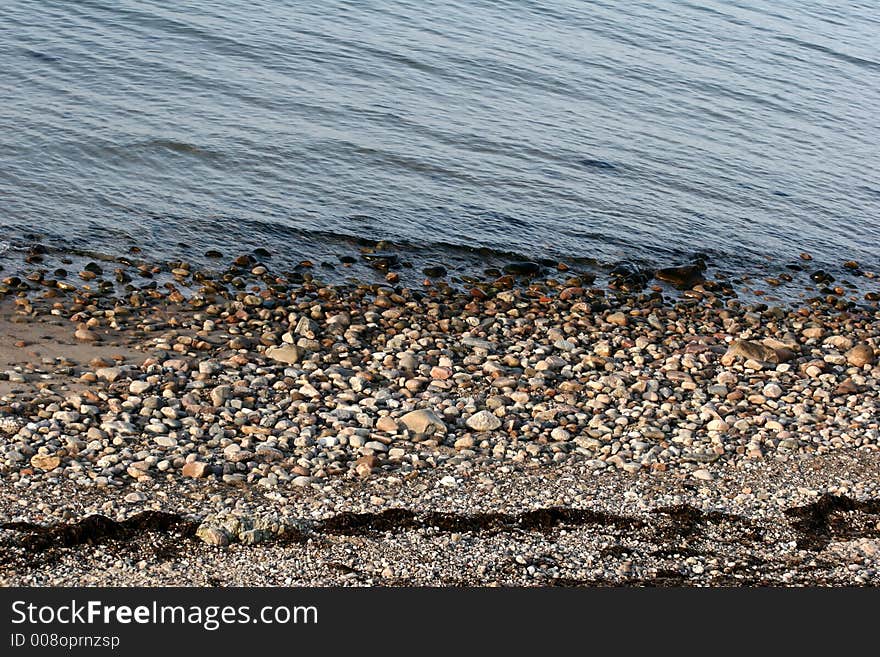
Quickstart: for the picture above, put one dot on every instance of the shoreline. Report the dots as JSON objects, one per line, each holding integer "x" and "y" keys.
{"x": 196, "y": 393}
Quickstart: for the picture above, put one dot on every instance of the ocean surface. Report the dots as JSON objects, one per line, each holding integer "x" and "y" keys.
{"x": 747, "y": 130}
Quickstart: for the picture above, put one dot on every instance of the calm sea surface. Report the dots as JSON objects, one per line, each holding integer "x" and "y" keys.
{"x": 592, "y": 130}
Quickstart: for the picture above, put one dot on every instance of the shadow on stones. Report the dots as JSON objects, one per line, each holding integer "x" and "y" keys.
{"x": 834, "y": 517}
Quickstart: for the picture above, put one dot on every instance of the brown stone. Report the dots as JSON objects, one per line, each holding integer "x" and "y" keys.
{"x": 847, "y": 387}
{"x": 441, "y": 373}
{"x": 618, "y": 319}
{"x": 570, "y": 293}
{"x": 196, "y": 469}
{"x": 365, "y": 465}
{"x": 683, "y": 278}
{"x": 754, "y": 351}
{"x": 860, "y": 355}
{"x": 45, "y": 462}
{"x": 387, "y": 424}
{"x": 86, "y": 335}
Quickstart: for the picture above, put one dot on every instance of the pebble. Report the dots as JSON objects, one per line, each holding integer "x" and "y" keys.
{"x": 618, "y": 319}
{"x": 860, "y": 355}
{"x": 288, "y": 353}
{"x": 196, "y": 469}
{"x": 139, "y": 387}
{"x": 483, "y": 421}
{"x": 221, "y": 394}
{"x": 47, "y": 462}
{"x": 772, "y": 391}
{"x": 423, "y": 421}
{"x": 212, "y": 535}
{"x": 387, "y": 424}
{"x": 109, "y": 374}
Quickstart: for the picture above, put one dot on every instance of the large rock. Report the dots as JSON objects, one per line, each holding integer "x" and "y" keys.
{"x": 286, "y": 353}
{"x": 860, "y": 355}
{"x": 45, "y": 462}
{"x": 212, "y": 535}
{"x": 618, "y": 319}
{"x": 11, "y": 425}
{"x": 85, "y": 334}
{"x": 387, "y": 424}
{"x": 196, "y": 469}
{"x": 220, "y": 394}
{"x": 754, "y": 351}
{"x": 684, "y": 277}
{"x": 109, "y": 374}
{"x": 423, "y": 421}
{"x": 139, "y": 387}
{"x": 483, "y": 421}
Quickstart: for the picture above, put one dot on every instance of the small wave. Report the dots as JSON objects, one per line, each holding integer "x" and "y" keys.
{"x": 597, "y": 164}
{"x": 836, "y": 54}
{"x": 175, "y": 146}
{"x": 42, "y": 56}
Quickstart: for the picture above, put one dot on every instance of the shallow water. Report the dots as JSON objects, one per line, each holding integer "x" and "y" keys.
{"x": 599, "y": 131}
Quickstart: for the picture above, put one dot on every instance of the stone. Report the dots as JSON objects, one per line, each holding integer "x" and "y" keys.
{"x": 212, "y": 535}
{"x": 441, "y": 373}
{"x": 220, "y": 395}
{"x": 483, "y": 421}
{"x": 570, "y": 293}
{"x": 109, "y": 374}
{"x": 10, "y": 425}
{"x": 45, "y": 462}
{"x": 618, "y": 319}
{"x": 86, "y": 335}
{"x": 387, "y": 424}
{"x": 287, "y": 353}
{"x": 139, "y": 387}
{"x": 839, "y": 342}
{"x": 407, "y": 362}
{"x": 196, "y": 469}
{"x": 847, "y": 387}
{"x": 860, "y": 355}
{"x": 772, "y": 391}
{"x": 702, "y": 474}
{"x": 477, "y": 343}
{"x": 365, "y": 465}
{"x": 269, "y": 454}
{"x": 718, "y": 425}
{"x": 559, "y": 434}
{"x": 684, "y": 277}
{"x": 134, "y": 498}
{"x": 465, "y": 442}
{"x": 750, "y": 351}
{"x": 423, "y": 421}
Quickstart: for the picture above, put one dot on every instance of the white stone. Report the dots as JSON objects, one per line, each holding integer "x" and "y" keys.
{"x": 139, "y": 387}
{"x": 772, "y": 391}
{"x": 483, "y": 421}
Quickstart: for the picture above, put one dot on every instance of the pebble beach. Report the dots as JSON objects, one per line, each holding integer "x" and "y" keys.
{"x": 165, "y": 424}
